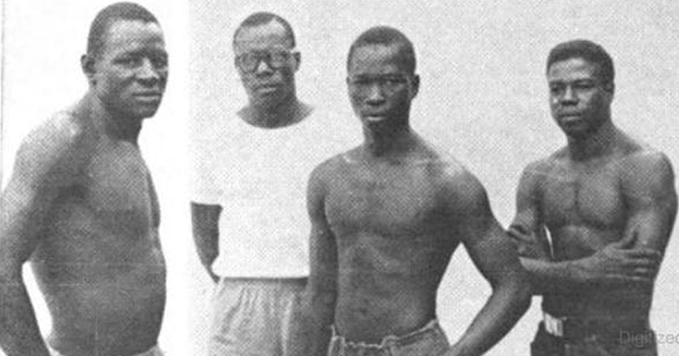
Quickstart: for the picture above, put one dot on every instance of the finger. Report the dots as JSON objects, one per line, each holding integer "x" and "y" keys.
{"x": 643, "y": 253}
{"x": 645, "y": 272}
{"x": 642, "y": 263}
{"x": 637, "y": 279}
{"x": 627, "y": 241}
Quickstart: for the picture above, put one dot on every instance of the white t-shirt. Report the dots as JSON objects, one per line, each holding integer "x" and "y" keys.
{"x": 259, "y": 177}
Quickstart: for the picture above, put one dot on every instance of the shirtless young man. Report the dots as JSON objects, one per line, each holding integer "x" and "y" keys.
{"x": 609, "y": 204}
{"x": 82, "y": 208}
{"x": 386, "y": 219}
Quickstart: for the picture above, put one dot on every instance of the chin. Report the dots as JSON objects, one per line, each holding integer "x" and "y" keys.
{"x": 145, "y": 114}
{"x": 266, "y": 104}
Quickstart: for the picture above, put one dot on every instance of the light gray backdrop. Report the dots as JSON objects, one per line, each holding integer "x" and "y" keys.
{"x": 483, "y": 97}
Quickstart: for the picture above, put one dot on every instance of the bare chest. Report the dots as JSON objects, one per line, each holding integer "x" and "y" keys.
{"x": 119, "y": 189}
{"x": 583, "y": 197}
{"x": 388, "y": 202}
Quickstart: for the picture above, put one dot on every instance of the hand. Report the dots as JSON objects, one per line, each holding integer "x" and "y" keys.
{"x": 620, "y": 263}
{"x": 213, "y": 276}
{"x": 529, "y": 245}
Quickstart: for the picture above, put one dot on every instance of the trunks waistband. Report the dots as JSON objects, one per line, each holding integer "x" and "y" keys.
{"x": 578, "y": 328}
{"x": 402, "y": 340}
{"x": 154, "y": 351}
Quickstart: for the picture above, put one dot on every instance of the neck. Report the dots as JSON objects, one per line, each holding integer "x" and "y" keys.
{"x": 286, "y": 113}
{"x": 387, "y": 142}
{"x": 593, "y": 145}
{"x": 112, "y": 124}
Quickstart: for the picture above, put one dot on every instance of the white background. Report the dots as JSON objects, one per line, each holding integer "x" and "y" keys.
{"x": 483, "y": 96}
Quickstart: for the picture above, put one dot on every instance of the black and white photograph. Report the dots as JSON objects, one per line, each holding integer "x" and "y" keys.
{"x": 300, "y": 177}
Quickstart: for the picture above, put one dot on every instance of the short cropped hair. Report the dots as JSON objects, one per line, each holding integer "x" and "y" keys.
{"x": 587, "y": 50}
{"x": 263, "y": 18}
{"x": 109, "y": 15}
{"x": 387, "y": 36}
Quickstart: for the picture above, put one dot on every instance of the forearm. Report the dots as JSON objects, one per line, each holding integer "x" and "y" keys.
{"x": 206, "y": 234}
{"x": 207, "y": 253}
{"x": 207, "y": 248}
{"x": 503, "y": 309}
{"x": 19, "y": 332}
{"x": 553, "y": 277}
{"x": 311, "y": 332}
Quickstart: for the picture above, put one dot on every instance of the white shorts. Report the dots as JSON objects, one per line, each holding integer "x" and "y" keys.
{"x": 253, "y": 316}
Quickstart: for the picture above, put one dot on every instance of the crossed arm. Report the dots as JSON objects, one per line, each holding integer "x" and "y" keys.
{"x": 46, "y": 162}
{"x": 648, "y": 190}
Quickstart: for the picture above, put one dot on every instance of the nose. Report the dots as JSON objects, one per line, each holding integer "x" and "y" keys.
{"x": 263, "y": 67}
{"x": 375, "y": 95}
{"x": 148, "y": 73}
{"x": 569, "y": 96}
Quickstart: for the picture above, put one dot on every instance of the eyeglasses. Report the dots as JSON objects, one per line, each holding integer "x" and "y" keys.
{"x": 248, "y": 62}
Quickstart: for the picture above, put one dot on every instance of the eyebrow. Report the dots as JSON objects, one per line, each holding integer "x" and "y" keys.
{"x": 577, "y": 80}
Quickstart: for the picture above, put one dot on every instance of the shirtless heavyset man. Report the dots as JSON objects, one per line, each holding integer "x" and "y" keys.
{"x": 82, "y": 208}
{"x": 386, "y": 218}
{"x": 609, "y": 205}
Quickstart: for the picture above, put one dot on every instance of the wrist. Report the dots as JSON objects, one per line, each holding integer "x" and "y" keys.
{"x": 577, "y": 272}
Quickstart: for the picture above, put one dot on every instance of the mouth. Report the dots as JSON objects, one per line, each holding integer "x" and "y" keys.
{"x": 570, "y": 117}
{"x": 148, "y": 97}
{"x": 374, "y": 118}
{"x": 267, "y": 88}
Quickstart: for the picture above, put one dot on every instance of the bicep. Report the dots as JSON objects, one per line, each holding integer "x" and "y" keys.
{"x": 25, "y": 203}
{"x": 21, "y": 208}
{"x": 493, "y": 254}
{"x": 322, "y": 244}
{"x": 486, "y": 242}
{"x": 652, "y": 202}
{"x": 42, "y": 169}
{"x": 527, "y": 230}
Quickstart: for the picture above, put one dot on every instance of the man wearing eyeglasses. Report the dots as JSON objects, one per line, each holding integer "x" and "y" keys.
{"x": 248, "y": 201}
{"x": 267, "y": 61}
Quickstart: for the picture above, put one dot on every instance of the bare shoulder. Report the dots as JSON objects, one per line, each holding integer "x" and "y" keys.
{"x": 647, "y": 157}
{"x": 327, "y": 171}
{"x": 329, "y": 168}
{"x": 62, "y": 130}
{"x": 55, "y": 146}
{"x": 536, "y": 172}
{"x": 461, "y": 188}
{"x": 647, "y": 165}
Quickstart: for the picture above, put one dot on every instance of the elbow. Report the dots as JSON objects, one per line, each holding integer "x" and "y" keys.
{"x": 524, "y": 293}
{"x": 518, "y": 290}
{"x": 524, "y": 299}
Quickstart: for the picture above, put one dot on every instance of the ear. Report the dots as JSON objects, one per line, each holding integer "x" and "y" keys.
{"x": 87, "y": 63}
{"x": 298, "y": 60}
{"x": 414, "y": 86}
{"x": 610, "y": 90}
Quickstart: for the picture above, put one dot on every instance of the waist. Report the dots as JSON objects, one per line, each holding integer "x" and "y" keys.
{"x": 595, "y": 303}
{"x": 578, "y": 328}
{"x": 125, "y": 314}
{"x": 153, "y": 351}
{"x": 372, "y": 320}
{"x": 431, "y": 329}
